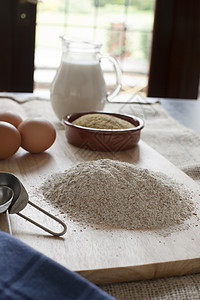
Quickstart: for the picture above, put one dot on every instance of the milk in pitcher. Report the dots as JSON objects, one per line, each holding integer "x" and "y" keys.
{"x": 78, "y": 86}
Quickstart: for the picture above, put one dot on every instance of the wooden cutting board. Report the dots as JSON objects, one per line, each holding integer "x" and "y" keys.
{"x": 103, "y": 256}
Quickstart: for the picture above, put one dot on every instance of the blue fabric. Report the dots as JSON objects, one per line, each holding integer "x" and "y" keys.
{"x": 26, "y": 274}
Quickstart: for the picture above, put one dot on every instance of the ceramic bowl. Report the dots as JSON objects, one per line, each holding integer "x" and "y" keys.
{"x": 106, "y": 140}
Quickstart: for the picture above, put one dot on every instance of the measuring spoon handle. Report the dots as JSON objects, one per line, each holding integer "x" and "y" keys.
{"x": 40, "y": 225}
{"x": 8, "y": 222}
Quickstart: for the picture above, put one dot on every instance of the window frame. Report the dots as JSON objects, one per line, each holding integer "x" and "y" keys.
{"x": 17, "y": 28}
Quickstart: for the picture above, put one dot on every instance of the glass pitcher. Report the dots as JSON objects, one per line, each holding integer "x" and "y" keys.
{"x": 79, "y": 84}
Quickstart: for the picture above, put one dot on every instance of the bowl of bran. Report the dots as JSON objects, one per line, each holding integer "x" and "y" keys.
{"x": 103, "y": 131}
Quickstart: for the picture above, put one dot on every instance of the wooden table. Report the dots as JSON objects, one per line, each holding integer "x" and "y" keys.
{"x": 103, "y": 255}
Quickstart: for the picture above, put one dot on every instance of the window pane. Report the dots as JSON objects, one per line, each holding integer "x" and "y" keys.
{"x": 123, "y": 27}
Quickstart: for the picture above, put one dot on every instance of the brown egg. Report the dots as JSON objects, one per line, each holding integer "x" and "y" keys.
{"x": 37, "y": 135}
{"x": 11, "y": 118}
{"x": 10, "y": 139}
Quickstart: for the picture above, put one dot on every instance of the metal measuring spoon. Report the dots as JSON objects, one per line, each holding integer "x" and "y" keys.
{"x": 6, "y": 197}
{"x": 21, "y": 199}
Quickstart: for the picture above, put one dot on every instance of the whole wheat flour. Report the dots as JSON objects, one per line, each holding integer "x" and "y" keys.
{"x": 118, "y": 194}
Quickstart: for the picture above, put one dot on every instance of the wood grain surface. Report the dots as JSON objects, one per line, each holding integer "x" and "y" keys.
{"x": 103, "y": 255}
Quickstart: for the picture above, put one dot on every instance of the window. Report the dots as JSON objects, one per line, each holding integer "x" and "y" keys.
{"x": 124, "y": 27}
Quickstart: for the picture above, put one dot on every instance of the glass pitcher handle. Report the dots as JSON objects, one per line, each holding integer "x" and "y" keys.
{"x": 118, "y": 73}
